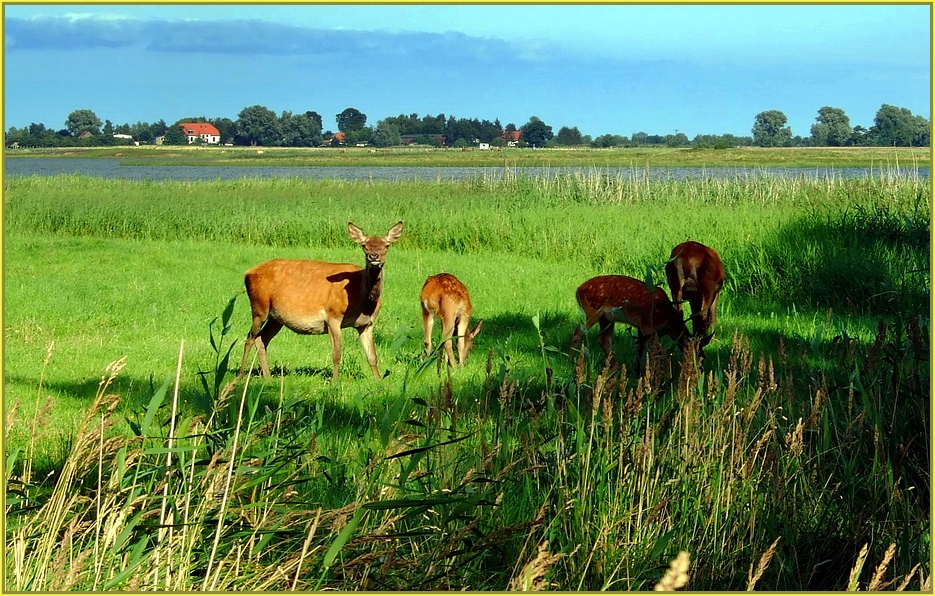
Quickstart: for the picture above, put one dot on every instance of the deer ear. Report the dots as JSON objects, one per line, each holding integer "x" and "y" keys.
{"x": 477, "y": 328}
{"x": 395, "y": 233}
{"x": 357, "y": 235}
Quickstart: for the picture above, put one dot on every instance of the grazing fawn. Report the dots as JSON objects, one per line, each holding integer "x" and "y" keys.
{"x": 315, "y": 297}
{"x": 696, "y": 274}
{"x": 609, "y": 299}
{"x": 444, "y": 296}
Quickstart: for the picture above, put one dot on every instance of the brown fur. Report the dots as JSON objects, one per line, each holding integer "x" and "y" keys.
{"x": 609, "y": 299}
{"x": 444, "y": 296}
{"x": 696, "y": 274}
{"x": 315, "y": 297}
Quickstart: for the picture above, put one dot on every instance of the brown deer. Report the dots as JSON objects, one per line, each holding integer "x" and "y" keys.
{"x": 444, "y": 296}
{"x": 314, "y": 297}
{"x": 696, "y": 274}
{"x": 609, "y": 299}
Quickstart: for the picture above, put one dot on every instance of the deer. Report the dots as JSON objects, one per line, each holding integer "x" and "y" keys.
{"x": 315, "y": 297}
{"x": 445, "y": 297}
{"x": 695, "y": 273}
{"x": 609, "y": 299}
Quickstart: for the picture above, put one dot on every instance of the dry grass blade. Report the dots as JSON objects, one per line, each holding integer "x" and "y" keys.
{"x": 532, "y": 577}
{"x": 765, "y": 558}
{"x": 676, "y": 575}
{"x": 876, "y": 583}
{"x": 852, "y": 581}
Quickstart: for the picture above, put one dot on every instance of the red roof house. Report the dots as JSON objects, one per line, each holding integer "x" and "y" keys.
{"x": 201, "y": 130}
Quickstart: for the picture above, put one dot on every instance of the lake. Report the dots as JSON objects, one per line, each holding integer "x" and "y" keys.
{"x": 112, "y": 168}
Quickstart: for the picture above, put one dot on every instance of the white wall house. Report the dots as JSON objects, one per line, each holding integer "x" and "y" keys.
{"x": 201, "y": 130}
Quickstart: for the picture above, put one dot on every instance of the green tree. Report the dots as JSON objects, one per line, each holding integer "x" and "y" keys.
{"x": 258, "y": 126}
{"x": 386, "y": 134}
{"x": 351, "y": 120}
{"x": 300, "y": 130}
{"x": 770, "y": 130}
{"x": 898, "y": 127}
{"x": 832, "y": 128}
{"x": 569, "y": 136}
{"x": 175, "y": 136}
{"x": 227, "y": 129}
{"x": 536, "y": 132}
{"x": 83, "y": 120}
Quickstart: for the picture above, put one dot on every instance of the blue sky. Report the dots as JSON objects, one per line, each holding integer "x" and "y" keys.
{"x": 616, "y": 69}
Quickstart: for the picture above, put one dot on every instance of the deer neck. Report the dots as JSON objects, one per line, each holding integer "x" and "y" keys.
{"x": 373, "y": 287}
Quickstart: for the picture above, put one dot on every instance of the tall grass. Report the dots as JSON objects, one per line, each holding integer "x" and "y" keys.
{"x": 613, "y": 223}
{"x": 790, "y": 460}
{"x": 583, "y": 482}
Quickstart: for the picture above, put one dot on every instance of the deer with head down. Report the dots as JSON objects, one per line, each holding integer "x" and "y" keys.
{"x": 695, "y": 273}
{"x": 315, "y": 297}
{"x": 609, "y": 299}
{"x": 444, "y": 296}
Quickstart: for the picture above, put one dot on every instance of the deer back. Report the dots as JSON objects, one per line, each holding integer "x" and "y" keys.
{"x": 694, "y": 270}
{"x": 624, "y": 299}
{"x": 444, "y": 293}
{"x": 303, "y": 294}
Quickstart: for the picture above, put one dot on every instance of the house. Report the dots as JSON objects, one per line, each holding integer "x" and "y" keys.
{"x": 511, "y": 136}
{"x": 201, "y": 130}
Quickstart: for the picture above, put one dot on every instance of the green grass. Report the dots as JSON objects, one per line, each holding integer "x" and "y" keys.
{"x": 742, "y": 157}
{"x": 803, "y": 436}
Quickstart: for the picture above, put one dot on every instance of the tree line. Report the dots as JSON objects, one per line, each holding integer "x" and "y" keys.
{"x": 259, "y": 126}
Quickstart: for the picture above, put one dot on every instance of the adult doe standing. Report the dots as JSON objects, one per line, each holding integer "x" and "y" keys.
{"x": 444, "y": 295}
{"x": 314, "y": 297}
{"x": 695, "y": 273}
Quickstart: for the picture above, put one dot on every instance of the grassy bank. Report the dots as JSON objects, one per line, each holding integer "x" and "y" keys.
{"x": 741, "y": 157}
{"x": 803, "y": 437}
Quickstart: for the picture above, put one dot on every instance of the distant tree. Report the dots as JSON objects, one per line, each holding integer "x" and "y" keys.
{"x": 300, "y": 130}
{"x": 895, "y": 126}
{"x": 258, "y": 126}
{"x": 536, "y": 132}
{"x": 677, "y": 140}
{"x": 350, "y": 120}
{"x": 770, "y": 130}
{"x": 832, "y": 128}
{"x": 609, "y": 140}
{"x": 488, "y": 131}
{"x": 510, "y": 127}
{"x": 569, "y": 136}
{"x": 175, "y": 136}
{"x": 433, "y": 125}
{"x": 227, "y": 129}
{"x": 83, "y": 120}
{"x": 386, "y": 135}
{"x": 359, "y": 136}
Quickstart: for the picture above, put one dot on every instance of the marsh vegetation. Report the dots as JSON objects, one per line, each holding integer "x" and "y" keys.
{"x": 795, "y": 457}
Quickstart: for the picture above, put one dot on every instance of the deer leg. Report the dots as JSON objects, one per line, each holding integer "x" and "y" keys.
{"x": 262, "y": 342}
{"x": 607, "y": 335}
{"x": 366, "y": 340}
{"x": 711, "y": 313}
{"x": 640, "y": 348}
{"x": 698, "y": 314}
{"x": 448, "y": 327}
{"x": 334, "y": 332}
{"x": 428, "y": 321}
{"x": 462, "y": 330}
{"x": 576, "y": 337}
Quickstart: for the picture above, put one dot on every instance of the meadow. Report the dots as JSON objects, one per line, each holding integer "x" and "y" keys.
{"x": 415, "y": 156}
{"x": 796, "y": 456}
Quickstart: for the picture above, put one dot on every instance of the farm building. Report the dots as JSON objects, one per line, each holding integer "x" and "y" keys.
{"x": 201, "y": 130}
